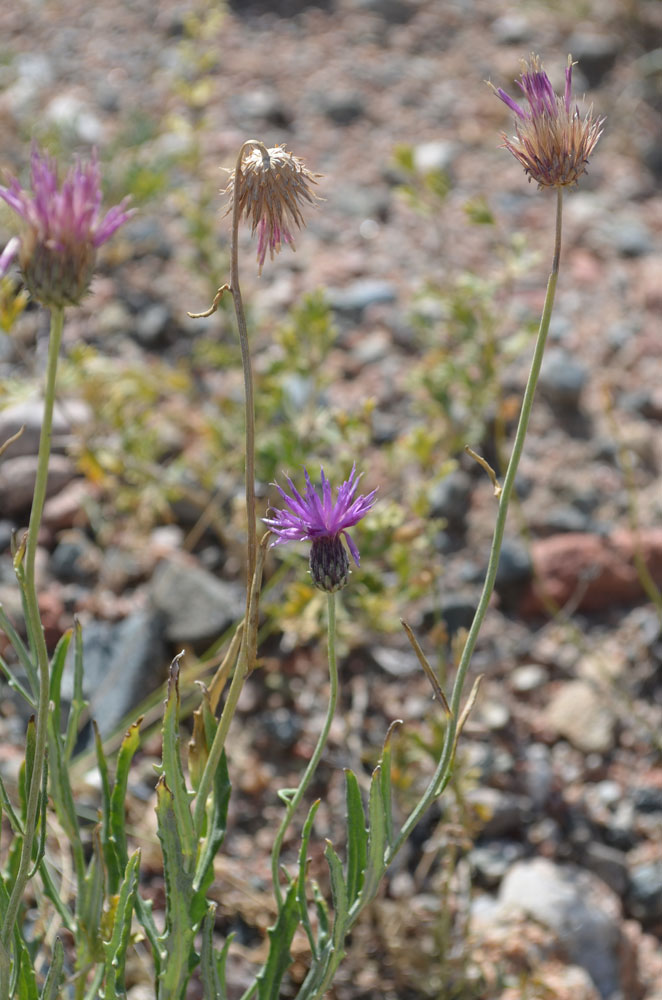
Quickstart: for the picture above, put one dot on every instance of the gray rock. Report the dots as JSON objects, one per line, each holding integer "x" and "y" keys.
{"x": 396, "y": 662}
{"x": 197, "y": 607}
{"x": 582, "y": 911}
{"x": 502, "y": 813}
{"x": 353, "y": 300}
{"x": 73, "y": 115}
{"x": 434, "y": 156}
{"x": 528, "y": 677}
{"x": 563, "y": 519}
{"x": 511, "y": 29}
{"x": 258, "y": 106}
{"x": 122, "y": 663}
{"x": 562, "y": 379}
{"x": 595, "y": 53}
{"x": 7, "y": 528}
{"x": 29, "y": 414}
{"x": 151, "y": 325}
{"x": 490, "y": 862}
{"x": 450, "y": 498}
{"x": 578, "y": 712}
{"x": 391, "y": 11}
{"x": 17, "y": 479}
{"x": 647, "y": 799}
{"x": 608, "y": 863}
{"x": 644, "y": 899}
{"x": 341, "y": 108}
{"x": 514, "y": 571}
{"x": 75, "y": 559}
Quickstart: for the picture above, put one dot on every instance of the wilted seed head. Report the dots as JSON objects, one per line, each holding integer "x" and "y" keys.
{"x": 62, "y": 229}
{"x": 552, "y": 141}
{"x": 274, "y": 189}
{"x": 322, "y": 521}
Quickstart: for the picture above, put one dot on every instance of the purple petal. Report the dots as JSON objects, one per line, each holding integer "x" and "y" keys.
{"x": 352, "y": 548}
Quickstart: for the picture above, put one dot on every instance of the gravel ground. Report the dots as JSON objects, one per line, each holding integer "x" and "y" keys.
{"x": 544, "y": 867}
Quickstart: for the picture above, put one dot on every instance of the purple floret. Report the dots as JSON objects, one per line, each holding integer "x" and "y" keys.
{"x": 311, "y": 517}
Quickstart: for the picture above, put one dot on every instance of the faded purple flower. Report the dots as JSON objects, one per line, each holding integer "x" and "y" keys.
{"x": 273, "y": 191}
{"x": 322, "y": 521}
{"x": 63, "y": 226}
{"x": 552, "y": 141}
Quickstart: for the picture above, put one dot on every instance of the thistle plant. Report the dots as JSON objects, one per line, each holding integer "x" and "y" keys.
{"x": 61, "y": 230}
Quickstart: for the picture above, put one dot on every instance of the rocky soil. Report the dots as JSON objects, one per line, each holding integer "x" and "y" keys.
{"x": 540, "y": 873}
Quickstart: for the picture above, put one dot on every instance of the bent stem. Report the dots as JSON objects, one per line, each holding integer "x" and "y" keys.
{"x": 443, "y": 770}
{"x": 293, "y": 802}
{"x": 37, "y": 640}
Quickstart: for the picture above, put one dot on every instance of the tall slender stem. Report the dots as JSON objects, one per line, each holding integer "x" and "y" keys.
{"x": 442, "y": 771}
{"x": 293, "y": 802}
{"x": 36, "y": 633}
{"x": 249, "y": 395}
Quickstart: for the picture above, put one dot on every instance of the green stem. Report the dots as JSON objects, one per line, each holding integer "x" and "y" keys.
{"x": 293, "y": 803}
{"x": 442, "y": 771}
{"x": 36, "y": 633}
{"x": 245, "y": 658}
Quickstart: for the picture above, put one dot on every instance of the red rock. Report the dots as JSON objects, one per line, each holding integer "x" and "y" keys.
{"x": 591, "y": 572}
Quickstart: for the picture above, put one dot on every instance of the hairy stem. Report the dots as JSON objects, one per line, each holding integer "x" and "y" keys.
{"x": 293, "y": 803}
{"x": 37, "y": 640}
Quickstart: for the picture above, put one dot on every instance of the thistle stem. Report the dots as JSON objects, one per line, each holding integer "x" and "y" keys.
{"x": 38, "y": 641}
{"x": 249, "y": 395}
{"x": 293, "y": 802}
{"x": 443, "y": 770}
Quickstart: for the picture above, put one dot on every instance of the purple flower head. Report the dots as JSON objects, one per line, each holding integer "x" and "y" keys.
{"x": 552, "y": 141}
{"x": 63, "y": 226}
{"x": 322, "y": 521}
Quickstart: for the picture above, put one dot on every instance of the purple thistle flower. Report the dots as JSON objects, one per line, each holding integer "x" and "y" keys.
{"x": 63, "y": 227}
{"x": 322, "y": 521}
{"x": 552, "y": 141}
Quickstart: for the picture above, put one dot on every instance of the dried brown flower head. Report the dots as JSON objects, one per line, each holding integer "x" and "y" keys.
{"x": 552, "y": 140}
{"x": 273, "y": 191}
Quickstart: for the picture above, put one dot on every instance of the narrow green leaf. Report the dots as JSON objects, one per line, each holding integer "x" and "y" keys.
{"x": 89, "y": 907}
{"x": 376, "y": 839}
{"x": 21, "y": 651}
{"x": 302, "y": 899}
{"x": 280, "y": 938}
{"x": 385, "y": 764}
{"x": 339, "y": 892}
{"x": 55, "y": 895}
{"x": 108, "y": 846}
{"x": 53, "y": 981}
{"x": 357, "y": 836}
{"x": 179, "y": 934}
{"x": 118, "y": 796}
{"x": 323, "y": 921}
{"x": 14, "y": 683}
{"x": 25, "y": 774}
{"x": 41, "y": 821}
{"x": 78, "y": 702}
{"x": 58, "y": 661}
{"x": 217, "y": 820}
{"x": 212, "y": 964}
{"x": 173, "y": 770}
{"x": 26, "y": 980}
{"x": 115, "y": 948}
{"x": 5, "y": 802}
